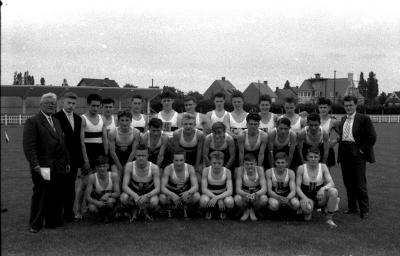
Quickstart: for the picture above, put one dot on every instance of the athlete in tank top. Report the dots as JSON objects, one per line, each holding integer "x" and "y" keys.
{"x": 140, "y": 123}
{"x": 177, "y": 185}
{"x": 93, "y": 132}
{"x": 227, "y": 147}
{"x": 110, "y": 125}
{"x": 216, "y": 186}
{"x": 270, "y": 125}
{"x": 141, "y": 184}
{"x": 310, "y": 186}
{"x": 100, "y": 190}
{"x": 215, "y": 118}
{"x": 280, "y": 187}
{"x": 235, "y": 126}
{"x": 250, "y": 185}
{"x": 169, "y": 126}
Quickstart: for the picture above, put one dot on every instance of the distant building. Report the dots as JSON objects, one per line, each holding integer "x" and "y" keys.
{"x": 97, "y": 82}
{"x": 286, "y": 92}
{"x": 222, "y": 85}
{"x": 255, "y": 90}
{"x": 334, "y": 89}
{"x": 64, "y": 83}
{"x": 393, "y": 99}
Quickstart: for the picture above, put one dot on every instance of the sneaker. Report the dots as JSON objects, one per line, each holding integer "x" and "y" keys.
{"x": 253, "y": 216}
{"x": 208, "y": 216}
{"x": 307, "y": 217}
{"x": 331, "y": 223}
{"x": 245, "y": 215}
{"x": 222, "y": 215}
{"x": 337, "y": 204}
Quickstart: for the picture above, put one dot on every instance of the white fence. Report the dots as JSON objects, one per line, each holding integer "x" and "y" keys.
{"x": 20, "y": 119}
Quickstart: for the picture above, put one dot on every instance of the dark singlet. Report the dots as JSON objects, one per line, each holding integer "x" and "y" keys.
{"x": 280, "y": 187}
{"x": 310, "y": 187}
{"x": 217, "y": 186}
{"x": 123, "y": 150}
{"x": 249, "y": 185}
{"x": 190, "y": 148}
{"x": 99, "y": 191}
{"x": 177, "y": 185}
{"x": 141, "y": 185}
{"x": 224, "y": 148}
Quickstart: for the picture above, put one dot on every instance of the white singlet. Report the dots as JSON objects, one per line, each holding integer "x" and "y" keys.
{"x": 215, "y": 118}
{"x": 93, "y": 133}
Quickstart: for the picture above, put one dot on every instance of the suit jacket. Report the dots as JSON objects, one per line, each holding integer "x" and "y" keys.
{"x": 364, "y": 135}
{"x": 43, "y": 146}
{"x": 72, "y": 137}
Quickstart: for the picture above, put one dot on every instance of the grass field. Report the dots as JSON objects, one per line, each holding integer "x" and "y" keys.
{"x": 379, "y": 235}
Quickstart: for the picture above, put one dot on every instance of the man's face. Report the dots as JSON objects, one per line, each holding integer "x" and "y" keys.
{"x": 48, "y": 105}
{"x": 281, "y": 163}
{"x": 252, "y": 125}
{"x": 283, "y": 130}
{"x": 156, "y": 132}
{"x": 136, "y": 105}
{"x": 313, "y": 158}
{"x": 69, "y": 105}
{"x": 265, "y": 106}
{"x": 237, "y": 103}
{"x": 102, "y": 169}
{"x": 141, "y": 156}
{"x": 94, "y": 107}
{"x": 188, "y": 125}
{"x": 216, "y": 163}
{"x": 313, "y": 126}
{"x": 289, "y": 108}
{"x": 190, "y": 106}
{"x": 219, "y": 102}
{"x": 167, "y": 103}
{"x": 124, "y": 122}
{"x": 324, "y": 109}
{"x": 179, "y": 160}
{"x": 249, "y": 164}
{"x": 350, "y": 107}
{"x": 108, "y": 109}
{"x": 219, "y": 135}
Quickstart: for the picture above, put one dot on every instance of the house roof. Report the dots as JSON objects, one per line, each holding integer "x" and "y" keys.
{"x": 263, "y": 88}
{"x": 340, "y": 85}
{"x": 98, "y": 82}
{"x": 286, "y": 92}
{"x": 219, "y": 85}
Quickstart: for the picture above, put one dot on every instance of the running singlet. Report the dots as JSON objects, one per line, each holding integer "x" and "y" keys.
{"x": 123, "y": 149}
{"x": 111, "y": 125}
{"x": 141, "y": 185}
{"x": 154, "y": 150}
{"x": 269, "y": 126}
{"x": 93, "y": 133}
{"x": 216, "y": 186}
{"x": 139, "y": 124}
{"x": 311, "y": 187}
{"x": 190, "y": 147}
{"x": 326, "y": 125}
{"x": 280, "y": 187}
{"x": 224, "y": 147}
{"x": 235, "y": 125}
{"x": 215, "y": 118}
{"x": 296, "y": 127}
{"x": 171, "y": 125}
{"x": 99, "y": 191}
{"x": 176, "y": 184}
{"x": 250, "y": 185}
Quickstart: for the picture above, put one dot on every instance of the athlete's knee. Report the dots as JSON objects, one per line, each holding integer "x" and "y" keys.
{"x": 124, "y": 198}
{"x": 307, "y": 205}
{"x": 262, "y": 201}
{"x": 239, "y": 201}
{"x": 111, "y": 201}
{"x": 154, "y": 201}
{"x": 204, "y": 199}
{"x": 195, "y": 198}
{"x": 332, "y": 192}
{"x": 163, "y": 199}
{"x": 273, "y": 204}
{"x": 294, "y": 203}
{"x": 229, "y": 202}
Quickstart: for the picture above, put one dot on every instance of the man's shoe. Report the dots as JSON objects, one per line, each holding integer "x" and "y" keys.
{"x": 364, "y": 215}
{"x": 33, "y": 230}
{"x": 349, "y": 211}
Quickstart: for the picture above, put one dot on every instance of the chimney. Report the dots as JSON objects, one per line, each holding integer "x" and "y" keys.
{"x": 317, "y": 76}
{"x": 350, "y": 76}
{"x": 266, "y": 82}
{"x": 106, "y": 78}
{"x": 276, "y": 88}
{"x": 223, "y": 78}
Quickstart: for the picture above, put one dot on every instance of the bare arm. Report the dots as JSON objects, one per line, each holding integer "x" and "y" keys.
{"x": 156, "y": 178}
{"x": 263, "y": 182}
{"x": 325, "y": 139}
{"x": 193, "y": 180}
{"x": 112, "y": 136}
{"x": 116, "y": 190}
{"x": 200, "y": 141}
{"x": 232, "y": 153}
{"x": 126, "y": 180}
{"x": 271, "y": 139}
{"x": 271, "y": 192}
{"x": 206, "y": 150}
{"x": 204, "y": 184}
{"x": 88, "y": 192}
{"x": 300, "y": 141}
{"x": 292, "y": 185}
{"x": 239, "y": 182}
{"x": 164, "y": 143}
{"x": 263, "y": 146}
{"x": 105, "y": 140}
{"x": 228, "y": 191}
{"x": 240, "y": 140}
{"x": 135, "y": 143}
{"x": 299, "y": 181}
{"x": 164, "y": 182}
{"x": 86, "y": 164}
{"x": 293, "y": 142}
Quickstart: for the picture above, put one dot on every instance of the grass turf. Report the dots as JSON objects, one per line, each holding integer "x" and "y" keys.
{"x": 379, "y": 235}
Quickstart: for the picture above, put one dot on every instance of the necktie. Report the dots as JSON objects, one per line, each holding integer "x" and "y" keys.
{"x": 346, "y": 128}
{"x": 51, "y": 123}
{"x": 71, "y": 120}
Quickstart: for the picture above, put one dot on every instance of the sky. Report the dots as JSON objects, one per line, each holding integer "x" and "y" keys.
{"x": 189, "y": 44}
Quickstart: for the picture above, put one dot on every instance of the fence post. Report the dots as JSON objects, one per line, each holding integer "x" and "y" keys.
{"x": 19, "y": 119}
{"x": 5, "y": 120}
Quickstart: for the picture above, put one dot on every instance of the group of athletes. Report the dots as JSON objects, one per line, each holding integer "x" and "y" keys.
{"x": 193, "y": 163}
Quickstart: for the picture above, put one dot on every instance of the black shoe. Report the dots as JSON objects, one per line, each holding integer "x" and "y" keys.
{"x": 364, "y": 215}
{"x": 33, "y": 230}
{"x": 349, "y": 211}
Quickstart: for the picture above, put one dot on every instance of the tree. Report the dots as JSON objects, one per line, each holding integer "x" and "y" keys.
{"x": 64, "y": 83}
{"x": 287, "y": 85}
{"x": 127, "y": 85}
{"x": 42, "y": 81}
{"x": 362, "y": 85}
{"x": 372, "y": 85}
{"x": 382, "y": 98}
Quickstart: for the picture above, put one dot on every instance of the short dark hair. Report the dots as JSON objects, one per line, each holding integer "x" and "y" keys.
{"x": 280, "y": 155}
{"x": 350, "y": 98}
{"x": 142, "y": 147}
{"x": 253, "y": 116}
{"x": 218, "y": 125}
{"x": 218, "y": 155}
{"x": 108, "y": 101}
{"x": 137, "y": 96}
{"x": 93, "y": 97}
{"x": 100, "y": 160}
{"x": 125, "y": 113}
{"x": 155, "y": 123}
{"x": 314, "y": 117}
{"x": 324, "y": 101}
{"x": 189, "y": 98}
{"x": 283, "y": 120}
{"x": 219, "y": 95}
{"x": 237, "y": 94}
{"x": 291, "y": 100}
{"x": 314, "y": 150}
{"x": 249, "y": 157}
{"x": 166, "y": 95}
{"x": 265, "y": 97}
{"x": 70, "y": 95}
{"x": 180, "y": 151}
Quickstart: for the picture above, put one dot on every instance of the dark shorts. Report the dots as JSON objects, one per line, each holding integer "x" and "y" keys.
{"x": 93, "y": 150}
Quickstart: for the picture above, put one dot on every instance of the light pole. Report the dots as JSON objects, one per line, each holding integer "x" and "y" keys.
{"x": 334, "y": 87}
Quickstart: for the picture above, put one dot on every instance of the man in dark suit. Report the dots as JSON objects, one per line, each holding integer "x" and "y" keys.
{"x": 44, "y": 148}
{"x": 355, "y": 149}
{"x": 71, "y": 125}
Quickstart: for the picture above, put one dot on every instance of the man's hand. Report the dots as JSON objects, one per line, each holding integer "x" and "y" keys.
{"x": 212, "y": 202}
{"x": 86, "y": 165}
